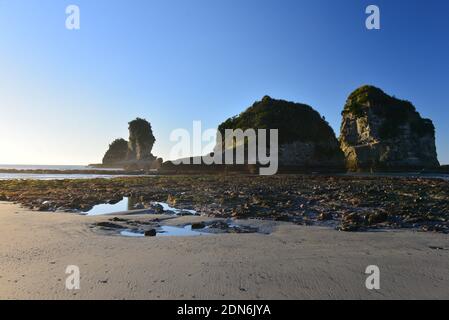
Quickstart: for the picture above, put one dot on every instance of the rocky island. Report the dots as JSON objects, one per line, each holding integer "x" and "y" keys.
{"x": 379, "y": 133}
{"x": 383, "y": 133}
{"x": 135, "y": 153}
{"x": 305, "y": 138}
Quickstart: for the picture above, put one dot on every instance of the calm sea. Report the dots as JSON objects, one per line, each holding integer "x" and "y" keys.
{"x": 10, "y": 176}
{"x": 50, "y": 167}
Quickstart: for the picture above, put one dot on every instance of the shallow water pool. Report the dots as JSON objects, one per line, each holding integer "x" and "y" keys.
{"x": 167, "y": 231}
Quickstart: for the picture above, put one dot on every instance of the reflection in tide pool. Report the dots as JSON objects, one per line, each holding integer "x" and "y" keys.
{"x": 133, "y": 234}
{"x": 167, "y": 231}
{"x": 127, "y": 204}
{"x": 166, "y": 207}
{"x": 106, "y": 208}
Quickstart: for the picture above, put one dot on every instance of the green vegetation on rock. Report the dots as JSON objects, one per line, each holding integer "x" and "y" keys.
{"x": 117, "y": 152}
{"x": 381, "y": 132}
{"x": 395, "y": 112}
{"x": 141, "y": 140}
{"x": 295, "y": 121}
{"x": 140, "y": 130}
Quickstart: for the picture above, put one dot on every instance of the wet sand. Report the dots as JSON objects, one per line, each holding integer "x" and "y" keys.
{"x": 293, "y": 262}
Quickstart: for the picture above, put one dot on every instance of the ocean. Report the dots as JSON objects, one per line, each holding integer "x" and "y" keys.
{"x": 52, "y": 176}
{"x": 51, "y": 167}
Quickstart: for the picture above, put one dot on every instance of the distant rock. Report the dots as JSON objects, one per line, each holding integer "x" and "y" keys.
{"x": 141, "y": 140}
{"x": 117, "y": 152}
{"x": 134, "y": 154}
{"x": 380, "y": 132}
{"x": 305, "y": 138}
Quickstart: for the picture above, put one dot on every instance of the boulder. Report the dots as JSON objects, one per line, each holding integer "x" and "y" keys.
{"x": 150, "y": 233}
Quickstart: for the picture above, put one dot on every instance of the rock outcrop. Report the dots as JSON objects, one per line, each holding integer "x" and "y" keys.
{"x": 141, "y": 141}
{"x": 117, "y": 152}
{"x": 380, "y": 132}
{"x": 305, "y": 139}
{"x": 135, "y": 153}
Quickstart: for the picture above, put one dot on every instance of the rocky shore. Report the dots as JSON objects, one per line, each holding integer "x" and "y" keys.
{"x": 348, "y": 203}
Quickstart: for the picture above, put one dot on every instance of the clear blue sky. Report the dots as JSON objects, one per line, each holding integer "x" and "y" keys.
{"x": 65, "y": 95}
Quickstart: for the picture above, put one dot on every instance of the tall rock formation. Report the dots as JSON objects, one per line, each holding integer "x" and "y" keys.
{"x": 380, "y": 132}
{"x": 135, "y": 153}
{"x": 305, "y": 138}
{"x": 141, "y": 141}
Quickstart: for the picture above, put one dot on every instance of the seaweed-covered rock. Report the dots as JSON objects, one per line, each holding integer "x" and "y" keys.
{"x": 305, "y": 138}
{"x": 380, "y": 132}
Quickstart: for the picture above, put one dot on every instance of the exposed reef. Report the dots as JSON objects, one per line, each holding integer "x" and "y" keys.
{"x": 349, "y": 203}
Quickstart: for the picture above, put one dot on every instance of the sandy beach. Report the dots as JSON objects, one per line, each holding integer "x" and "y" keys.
{"x": 293, "y": 262}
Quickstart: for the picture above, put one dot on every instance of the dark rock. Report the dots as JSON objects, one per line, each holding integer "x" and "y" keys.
{"x": 325, "y": 216}
{"x": 187, "y": 213}
{"x": 45, "y": 206}
{"x": 348, "y": 227}
{"x": 199, "y": 225}
{"x": 138, "y": 206}
{"x": 284, "y": 217}
{"x": 115, "y": 201}
{"x": 219, "y": 225}
{"x": 116, "y": 219}
{"x": 377, "y": 217}
{"x": 150, "y": 233}
{"x": 159, "y": 209}
{"x": 108, "y": 225}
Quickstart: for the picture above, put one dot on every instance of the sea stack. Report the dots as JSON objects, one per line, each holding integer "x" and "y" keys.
{"x": 141, "y": 141}
{"x": 305, "y": 139}
{"x": 135, "y": 153}
{"x": 380, "y": 132}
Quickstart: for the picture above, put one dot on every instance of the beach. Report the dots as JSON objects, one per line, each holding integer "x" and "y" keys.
{"x": 292, "y": 262}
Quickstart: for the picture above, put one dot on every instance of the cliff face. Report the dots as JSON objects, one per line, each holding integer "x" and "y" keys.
{"x": 380, "y": 132}
{"x": 117, "y": 152}
{"x": 305, "y": 138}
